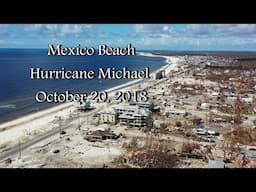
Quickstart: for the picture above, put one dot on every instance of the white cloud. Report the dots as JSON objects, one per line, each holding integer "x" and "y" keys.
{"x": 59, "y": 29}
{"x": 165, "y": 28}
{"x": 236, "y": 29}
{"x": 33, "y": 27}
{"x": 41, "y": 28}
{"x": 68, "y": 29}
{"x": 189, "y": 42}
{"x": 198, "y": 29}
{"x": 51, "y": 27}
{"x": 150, "y": 36}
{"x": 152, "y": 28}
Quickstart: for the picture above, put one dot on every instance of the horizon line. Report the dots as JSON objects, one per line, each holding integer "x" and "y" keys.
{"x": 227, "y": 50}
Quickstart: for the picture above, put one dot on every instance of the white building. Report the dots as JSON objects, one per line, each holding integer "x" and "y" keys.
{"x": 159, "y": 124}
{"x": 247, "y": 99}
{"x": 133, "y": 116}
{"x": 205, "y": 106}
{"x": 143, "y": 104}
{"x": 172, "y": 111}
{"x": 82, "y": 105}
{"x": 108, "y": 116}
{"x": 215, "y": 94}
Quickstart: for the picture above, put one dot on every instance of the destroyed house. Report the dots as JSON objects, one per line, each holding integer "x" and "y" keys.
{"x": 82, "y": 105}
{"x": 100, "y": 135}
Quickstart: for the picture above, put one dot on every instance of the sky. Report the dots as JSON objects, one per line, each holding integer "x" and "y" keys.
{"x": 236, "y": 37}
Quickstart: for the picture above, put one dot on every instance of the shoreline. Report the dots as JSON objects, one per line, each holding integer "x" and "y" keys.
{"x": 12, "y": 131}
{"x": 61, "y": 106}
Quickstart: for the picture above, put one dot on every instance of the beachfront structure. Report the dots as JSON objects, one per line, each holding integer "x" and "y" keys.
{"x": 139, "y": 118}
{"x": 133, "y": 116}
{"x": 159, "y": 75}
{"x": 143, "y": 104}
{"x": 82, "y": 105}
{"x": 108, "y": 116}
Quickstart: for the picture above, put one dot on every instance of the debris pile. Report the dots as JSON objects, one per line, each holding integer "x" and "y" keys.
{"x": 153, "y": 155}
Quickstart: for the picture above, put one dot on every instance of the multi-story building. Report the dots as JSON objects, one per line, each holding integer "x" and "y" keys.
{"x": 143, "y": 104}
{"x": 133, "y": 116}
{"x": 130, "y": 115}
{"x": 108, "y": 115}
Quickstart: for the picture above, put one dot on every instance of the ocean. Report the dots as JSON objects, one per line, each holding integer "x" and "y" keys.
{"x": 17, "y": 93}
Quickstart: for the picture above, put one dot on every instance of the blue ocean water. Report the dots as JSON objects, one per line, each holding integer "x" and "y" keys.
{"x": 17, "y": 90}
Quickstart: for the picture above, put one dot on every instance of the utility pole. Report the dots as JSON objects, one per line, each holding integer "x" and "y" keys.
{"x": 78, "y": 119}
{"x": 60, "y": 124}
{"x": 19, "y": 150}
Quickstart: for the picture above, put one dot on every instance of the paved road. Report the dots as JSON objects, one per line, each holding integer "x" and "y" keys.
{"x": 20, "y": 147}
{"x": 14, "y": 150}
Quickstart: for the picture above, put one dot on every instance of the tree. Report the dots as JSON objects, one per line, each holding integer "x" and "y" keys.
{"x": 178, "y": 124}
{"x": 231, "y": 148}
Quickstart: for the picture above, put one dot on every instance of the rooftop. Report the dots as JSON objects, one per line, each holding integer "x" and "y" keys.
{"x": 215, "y": 164}
{"x": 108, "y": 110}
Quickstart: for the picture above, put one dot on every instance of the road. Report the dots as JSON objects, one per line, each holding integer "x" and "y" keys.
{"x": 22, "y": 146}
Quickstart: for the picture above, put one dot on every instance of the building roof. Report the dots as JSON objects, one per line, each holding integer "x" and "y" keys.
{"x": 82, "y": 103}
{"x": 205, "y": 105}
{"x": 133, "y": 108}
{"x": 215, "y": 164}
{"x": 132, "y": 115}
{"x": 176, "y": 111}
{"x": 215, "y": 93}
{"x": 109, "y": 110}
{"x": 101, "y": 133}
{"x": 200, "y": 127}
{"x": 125, "y": 107}
{"x": 250, "y": 153}
{"x": 247, "y": 99}
{"x": 141, "y": 102}
{"x": 230, "y": 90}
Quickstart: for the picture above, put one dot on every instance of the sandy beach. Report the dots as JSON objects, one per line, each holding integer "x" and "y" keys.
{"x": 29, "y": 126}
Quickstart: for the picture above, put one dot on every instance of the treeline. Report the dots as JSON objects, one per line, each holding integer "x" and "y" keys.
{"x": 244, "y": 64}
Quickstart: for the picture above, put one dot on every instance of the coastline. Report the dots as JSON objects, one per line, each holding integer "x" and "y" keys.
{"x": 61, "y": 106}
{"x": 36, "y": 122}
